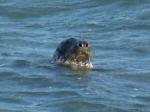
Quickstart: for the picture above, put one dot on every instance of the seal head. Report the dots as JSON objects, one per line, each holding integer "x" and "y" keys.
{"x": 73, "y": 51}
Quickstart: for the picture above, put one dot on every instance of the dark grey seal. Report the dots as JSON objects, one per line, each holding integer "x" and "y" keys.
{"x": 73, "y": 52}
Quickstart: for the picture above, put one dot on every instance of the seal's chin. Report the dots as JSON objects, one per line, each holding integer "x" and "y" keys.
{"x": 79, "y": 64}
{"x": 76, "y": 64}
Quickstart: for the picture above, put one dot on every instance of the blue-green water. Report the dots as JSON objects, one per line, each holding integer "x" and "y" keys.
{"x": 119, "y": 33}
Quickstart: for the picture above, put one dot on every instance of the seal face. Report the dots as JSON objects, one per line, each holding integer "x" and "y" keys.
{"x": 73, "y": 51}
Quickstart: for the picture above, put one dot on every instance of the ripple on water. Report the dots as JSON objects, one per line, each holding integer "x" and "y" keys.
{"x": 80, "y": 104}
{"x": 5, "y": 54}
{"x": 25, "y": 12}
{"x": 14, "y": 100}
{"x": 21, "y": 63}
{"x": 7, "y": 74}
{"x": 142, "y": 49}
{"x": 145, "y": 99}
{"x": 138, "y": 76}
{"x": 145, "y": 15}
{"x": 139, "y": 26}
{"x": 33, "y": 81}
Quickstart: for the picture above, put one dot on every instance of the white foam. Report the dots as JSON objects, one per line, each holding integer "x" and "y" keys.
{"x": 77, "y": 64}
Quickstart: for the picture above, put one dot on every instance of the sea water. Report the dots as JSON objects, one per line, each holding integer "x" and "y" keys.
{"x": 119, "y": 34}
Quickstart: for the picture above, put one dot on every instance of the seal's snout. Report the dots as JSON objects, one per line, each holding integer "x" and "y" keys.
{"x": 82, "y": 51}
{"x": 83, "y": 44}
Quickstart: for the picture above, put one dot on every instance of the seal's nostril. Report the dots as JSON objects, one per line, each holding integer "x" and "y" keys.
{"x": 80, "y": 44}
{"x": 86, "y": 45}
{"x": 83, "y": 44}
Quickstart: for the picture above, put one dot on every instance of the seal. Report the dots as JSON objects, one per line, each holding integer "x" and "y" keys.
{"x": 73, "y": 52}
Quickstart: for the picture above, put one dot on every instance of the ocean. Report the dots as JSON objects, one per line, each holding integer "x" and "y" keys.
{"x": 118, "y": 32}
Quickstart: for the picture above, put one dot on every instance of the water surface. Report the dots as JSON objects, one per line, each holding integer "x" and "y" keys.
{"x": 118, "y": 32}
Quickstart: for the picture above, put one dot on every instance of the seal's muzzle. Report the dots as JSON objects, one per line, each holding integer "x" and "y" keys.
{"x": 82, "y": 51}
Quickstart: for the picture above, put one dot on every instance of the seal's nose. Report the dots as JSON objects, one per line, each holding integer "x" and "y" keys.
{"x": 83, "y": 44}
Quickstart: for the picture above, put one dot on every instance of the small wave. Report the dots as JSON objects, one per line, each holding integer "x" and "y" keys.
{"x": 8, "y": 74}
{"x": 143, "y": 98}
{"x": 20, "y": 42}
{"x": 102, "y": 70}
{"x": 33, "y": 80}
{"x": 21, "y": 63}
{"x": 46, "y": 66}
{"x": 25, "y": 12}
{"x": 77, "y": 103}
{"x": 137, "y": 76}
{"x": 13, "y": 100}
{"x": 128, "y": 3}
{"x": 141, "y": 26}
{"x": 145, "y": 15}
{"x": 5, "y": 54}
{"x": 142, "y": 50}
{"x": 55, "y": 93}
